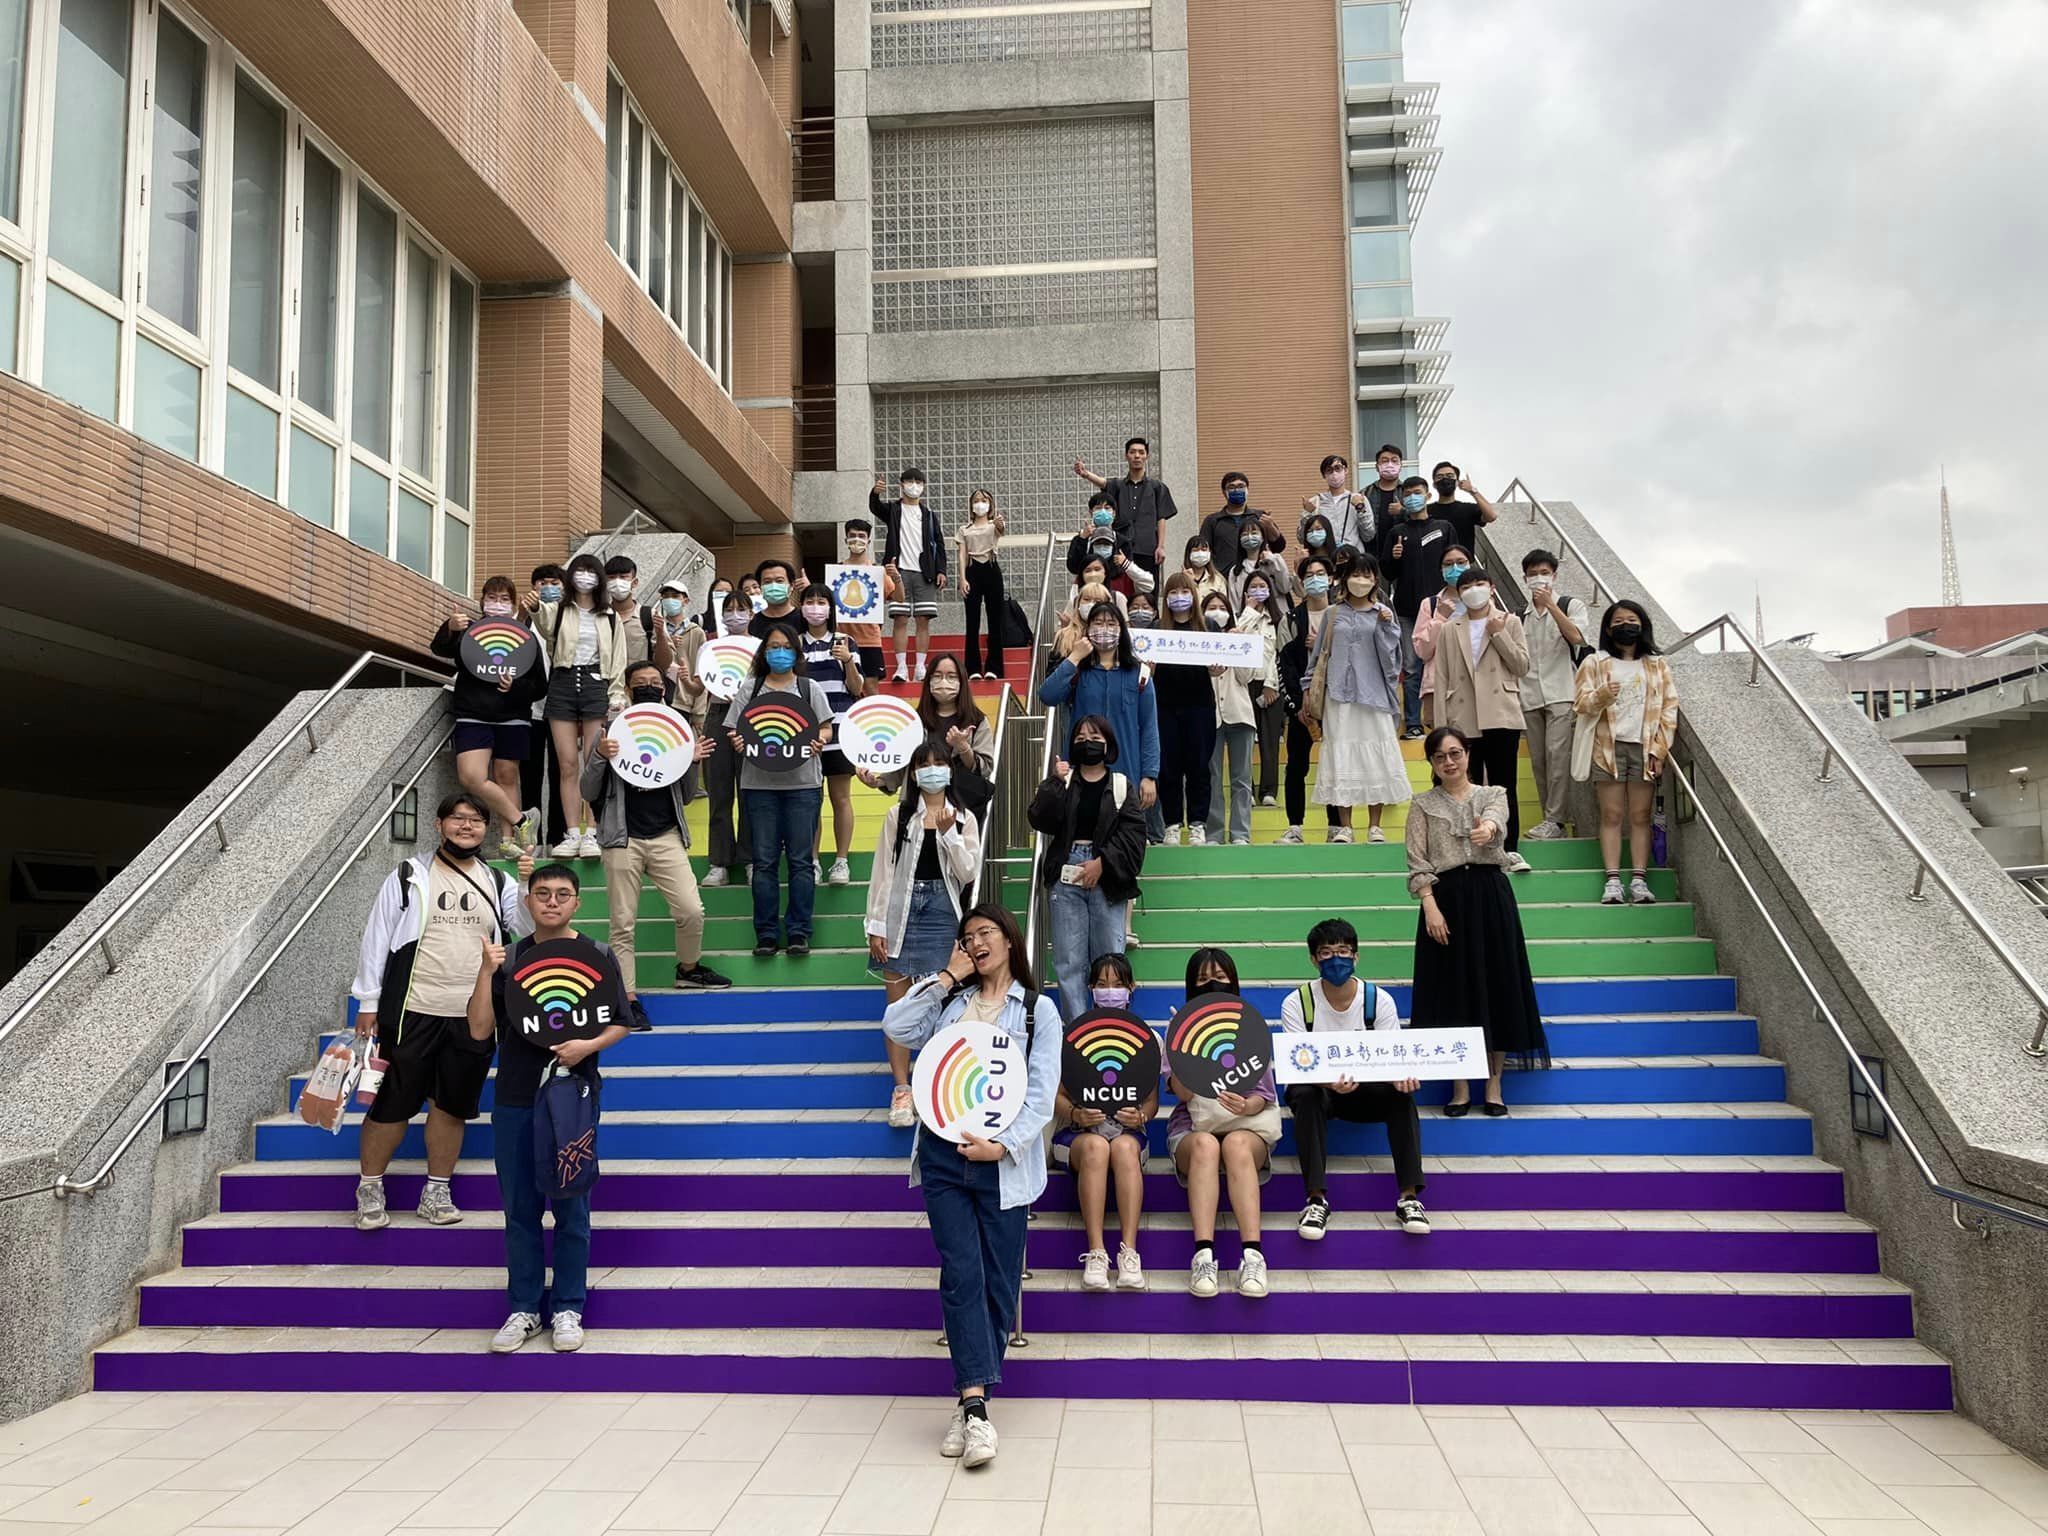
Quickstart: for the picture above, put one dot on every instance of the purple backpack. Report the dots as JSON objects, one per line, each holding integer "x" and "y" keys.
{"x": 565, "y": 1116}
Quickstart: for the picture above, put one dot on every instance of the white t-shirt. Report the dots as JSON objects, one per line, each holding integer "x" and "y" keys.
{"x": 1331, "y": 1019}
{"x": 586, "y": 637}
{"x": 1628, "y": 709}
{"x": 1476, "y": 637}
{"x": 910, "y": 536}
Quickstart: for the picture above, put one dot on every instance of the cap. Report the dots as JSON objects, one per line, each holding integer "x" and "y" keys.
{"x": 676, "y": 586}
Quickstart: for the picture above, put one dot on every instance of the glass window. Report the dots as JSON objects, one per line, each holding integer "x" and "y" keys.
{"x": 714, "y": 286}
{"x": 177, "y": 172}
{"x": 1375, "y": 196}
{"x": 369, "y": 508}
{"x": 415, "y": 533}
{"x": 1373, "y": 72}
{"x": 1379, "y": 257}
{"x": 614, "y": 155}
{"x": 319, "y": 282}
{"x": 13, "y": 67}
{"x": 1370, "y": 29}
{"x": 725, "y": 351}
{"x": 657, "y": 225}
{"x": 81, "y": 352}
{"x": 695, "y": 330}
{"x": 10, "y": 311}
{"x": 256, "y": 257}
{"x": 454, "y": 553}
{"x": 461, "y": 383}
{"x": 422, "y": 282}
{"x": 678, "y": 247}
{"x": 1381, "y": 303}
{"x": 89, "y": 149}
{"x": 376, "y": 272}
{"x": 636, "y": 147}
{"x": 166, "y": 399}
{"x": 311, "y": 493}
{"x": 251, "y": 458}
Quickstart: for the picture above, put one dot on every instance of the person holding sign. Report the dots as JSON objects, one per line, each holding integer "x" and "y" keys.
{"x": 947, "y": 708}
{"x": 1104, "y": 1056}
{"x": 586, "y": 648}
{"x": 1471, "y": 963}
{"x": 646, "y": 836}
{"x": 493, "y": 713}
{"x": 1100, "y": 676}
{"x": 834, "y": 664}
{"x": 1353, "y": 678}
{"x": 1337, "y": 1001}
{"x": 978, "y": 1192}
{"x": 782, "y": 793}
{"x": 917, "y": 889}
{"x": 561, "y": 1017}
{"x": 1095, "y": 847}
{"x": 1222, "y": 1135}
{"x": 1187, "y": 720}
{"x": 731, "y": 850}
{"x": 866, "y": 635}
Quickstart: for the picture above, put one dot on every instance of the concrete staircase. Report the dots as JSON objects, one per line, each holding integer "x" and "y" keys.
{"x": 1648, "y": 1227}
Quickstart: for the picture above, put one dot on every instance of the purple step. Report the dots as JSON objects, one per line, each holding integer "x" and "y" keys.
{"x": 407, "y": 1244}
{"x": 1675, "y": 1384}
{"x": 1165, "y": 1309}
{"x": 1817, "y": 1189}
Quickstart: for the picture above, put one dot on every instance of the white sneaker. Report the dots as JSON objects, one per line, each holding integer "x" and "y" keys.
{"x": 1375, "y": 835}
{"x": 902, "y": 1109}
{"x": 569, "y": 847}
{"x": 1202, "y": 1274}
{"x": 1268, "y": 801}
{"x": 1131, "y": 938}
{"x": 1094, "y": 1270}
{"x": 1517, "y": 865}
{"x": 437, "y": 1206}
{"x": 1610, "y": 894}
{"x": 842, "y": 873}
{"x": 1251, "y": 1274}
{"x": 590, "y": 847}
{"x": 1197, "y": 836}
{"x": 1130, "y": 1271}
{"x": 1291, "y": 836}
{"x": 519, "y": 1327}
{"x": 1240, "y": 842}
{"x": 922, "y": 668}
{"x": 901, "y": 674}
{"x": 954, "y": 1441}
{"x": 371, "y": 1216}
{"x": 1340, "y": 835}
{"x": 716, "y": 875}
{"x": 568, "y": 1332}
{"x": 1639, "y": 892}
{"x": 1545, "y": 832}
{"x": 817, "y": 871}
{"x": 980, "y": 1448}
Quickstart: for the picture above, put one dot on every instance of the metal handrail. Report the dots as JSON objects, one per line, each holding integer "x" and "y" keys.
{"x": 1957, "y": 1198}
{"x": 1601, "y": 586}
{"x": 65, "y": 1187}
{"x": 100, "y": 937}
{"x": 1037, "y": 919}
{"x": 1760, "y": 663}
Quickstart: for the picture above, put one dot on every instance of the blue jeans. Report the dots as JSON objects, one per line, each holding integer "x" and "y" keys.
{"x": 525, "y": 1266}
{"x": 1084, "y": 924}
{"x": 1233, "y": 774}
{"x": 981, "y": 1258}
{"x": 1411, "y": 676}
{"x": 783, "y": 821}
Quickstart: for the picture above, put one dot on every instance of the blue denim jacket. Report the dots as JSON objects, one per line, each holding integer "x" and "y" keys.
{"x": 923, "y": 1011}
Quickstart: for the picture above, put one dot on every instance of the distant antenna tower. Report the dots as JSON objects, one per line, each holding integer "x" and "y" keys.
{"x": 1951, "y": 578}
{"x": 1759, "y": 615}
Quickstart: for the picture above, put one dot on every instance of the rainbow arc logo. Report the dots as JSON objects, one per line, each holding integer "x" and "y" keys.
{"x": 1209, "y": 1031}
{"x": 1109, "y": 1045}
{"x": 959, "y": 1087}
{"x": 776, "y": 724}
{"x": 654, "y": 732}
{"x": 498, "y": 638}
{"x": 557, "y": 983}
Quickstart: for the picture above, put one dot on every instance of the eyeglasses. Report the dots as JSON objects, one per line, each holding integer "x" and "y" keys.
{"x": 1340, "y": 953}
{"x": 1450, "y": 755}
{"x": 464, "y": 819}
{"x": 984, "y": 935}
{"x": 551, "y": 895}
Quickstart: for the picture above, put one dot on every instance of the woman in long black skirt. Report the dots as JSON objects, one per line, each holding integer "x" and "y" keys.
{"x": 1471, "y": 964}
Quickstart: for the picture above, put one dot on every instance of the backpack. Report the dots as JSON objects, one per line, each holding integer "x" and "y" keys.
{"x": 1307, "y": 994}
{"x": 1015, "y": 628}
{"x": 565, "y": 1118}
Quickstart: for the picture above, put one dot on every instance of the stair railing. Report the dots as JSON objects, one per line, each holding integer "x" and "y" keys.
{"x": 1603, "y": 589}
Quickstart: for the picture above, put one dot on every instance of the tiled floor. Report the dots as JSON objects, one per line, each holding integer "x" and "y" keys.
{"x": 344, "y": 1465}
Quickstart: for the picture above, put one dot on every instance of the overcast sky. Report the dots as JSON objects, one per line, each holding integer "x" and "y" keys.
{"x": 1739, "y": 277}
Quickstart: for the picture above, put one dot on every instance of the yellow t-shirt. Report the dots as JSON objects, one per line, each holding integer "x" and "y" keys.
{"x": 459, "y": 921}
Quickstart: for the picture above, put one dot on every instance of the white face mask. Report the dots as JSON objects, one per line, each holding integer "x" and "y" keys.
{"x": 619, "y": 586}
{"x": 1477, "y": 596}
{"x": 857, "y": 545}
{"x": 1199, "y": 558}
{"x": 497, "y": 607}
{"x": 981, "y": 509}
{"x": 913, "y": 490}
{"x": 584, "y": 581}
{"x": 1542, "y": 583}
{"x": 945, "y": 689}
{"x": 1335, "y": 479}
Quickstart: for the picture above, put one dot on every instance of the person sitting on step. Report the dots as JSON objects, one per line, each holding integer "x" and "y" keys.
{"x": 1229, "y": 1137}
{"x": 1094, "y": 1147}
{"x": 1338, "y": 1001}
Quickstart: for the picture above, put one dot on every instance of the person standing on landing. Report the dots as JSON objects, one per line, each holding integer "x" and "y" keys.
{"x": 1144, "y": 506}
{"x": 914, "y": 555}
{"x": 1626, "y": 698}
{"x": 981, "y": 578}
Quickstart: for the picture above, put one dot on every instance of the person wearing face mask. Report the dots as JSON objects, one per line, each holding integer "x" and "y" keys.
{"x": 1144, "y": 506}
{"x": 1468, "y": 517}
{"x": 493, "y": 721}
{"x": 867, "y": 637}
{"x": 782, "y": 808}
{"x": 1199, "y": 561}
{"x": 1411, "y": 555}
{"x": 914, "y": 554}
{"x": 1094, "y": 853}
{"x": 781, "y": 585}
{"x": 1556, "y": 627}
{"x": 685, "y": 640}
{"x": 1249, "y": 715}
{"x": 981, "y": 577}
{"x": 1337, "y": 1001}
{"x": 646, "y": 637}
{"x": 1430, "y": 617}
{"x": 1481, "y": 658}
{"x": 539, "y": 785}
{"x": 714, "y": 612}
{"x": 1304, "y": 627}
{"x": 1187, "y": 722}
{"x": 1100, "y": 676}
{"x": 731, "y": 848}
{"x": 834, "y": 665}
{"x": 1352, "y": 672}
{"x": 1228, "y": 530}
{"x": 422, "y": 948}
{"x": 1628, "y": 704}
{"x": 1099, "y": 544}
{"x": 1352, "y": 516}
{"x": 645, "y": 836}
{"x": 925, "y": 862}
{"x": 1095, "y": 1148}
{"x": 949, "y": 714}
{"x": 585, "y": 644}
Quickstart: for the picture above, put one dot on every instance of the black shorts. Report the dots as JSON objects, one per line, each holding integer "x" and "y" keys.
{"x": 834, "y": 762}
{"x": 508, "y": 741}
{"x": 578, "y": 694}
{"x": 431, "y": 1057}
{"x": 871, "y": 661}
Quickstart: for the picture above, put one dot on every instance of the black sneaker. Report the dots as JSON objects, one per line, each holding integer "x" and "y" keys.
{"x": 1413, "y": 1218}
{"x": 799, "y": 947}
{"x": 701, "y": 976}
{"x": 764, "y": 949}
{"x": 1315, "y": 1216}
{"x": 641, "y": 1023}
{"x": 1414, "y": 733}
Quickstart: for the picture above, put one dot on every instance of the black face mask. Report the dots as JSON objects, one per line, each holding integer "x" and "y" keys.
{"x": 1446, "y": 487}
{"x": 648, "y": 693}
{"x": 1091, "y": 754}
{"x": 1625, "y": 634}
{"x": 458, "y": 853}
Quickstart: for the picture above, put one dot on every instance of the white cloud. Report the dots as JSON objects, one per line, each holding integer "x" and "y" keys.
{"x": 1739, "y": 277}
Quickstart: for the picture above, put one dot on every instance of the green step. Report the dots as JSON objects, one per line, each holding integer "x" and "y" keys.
{"x": 822, "y": 968}
{"x": 1316, "y": 858}
{"x": 1350, "y": 892}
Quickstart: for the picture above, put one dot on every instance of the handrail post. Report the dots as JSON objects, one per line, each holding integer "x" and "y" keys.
{"x": 1919, "y": 879}
{"x": 107, "y": 954}
{"x": 220, "y": 832}
{"x": 313, "y": 740}
{"x": 2036, "y": 1049}
{"x": 1827, "y": 767}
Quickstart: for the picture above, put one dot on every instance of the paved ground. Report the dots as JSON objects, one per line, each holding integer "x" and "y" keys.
{"x": 149, "y": 1465}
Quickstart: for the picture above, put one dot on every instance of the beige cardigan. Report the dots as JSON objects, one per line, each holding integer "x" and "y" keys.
{"x": 1660, "y": 708}
{"x": 1440, "y": 832}
{"x": 560, "y": 639}
{"x": 1488, "y": 698}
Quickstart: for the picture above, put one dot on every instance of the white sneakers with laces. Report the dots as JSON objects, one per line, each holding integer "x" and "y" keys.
{"x": 980, "y": 1445}
{"x": 1202, "y": 1274}
{"x": 1198, "y": 836}
{"x": 1639, "y": 892}
{"x": 1251, "y": 1274}
{"x": 437, "y": 1205}
{"x": 1339, "y": 835}
{"x": 1375, "y": 835}
{"x": 1130, "y": 1271}
{"x": 1517, "y": 865}
{"x": 954, "y": 1442}
{"x": 1544, "y": 832}
{"x": 1095, "y": 1270}
{"x": 371, "y": 1215}
{"x": 518, "y": 1328}
{"x": 590, "y": 847}
{"x": 569, "y": 847}
{"x": 842, "y": 873}
{"x": 568, "y": 1332}
{"x": 716, "y": 875}
{"x": 1292, "y": 836}
{"x": 902, "y": 1109}
{"x": 1610, "y": 894}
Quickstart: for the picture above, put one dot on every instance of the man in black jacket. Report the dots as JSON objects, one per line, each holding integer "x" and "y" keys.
{"x": 1411, "y": 555}
{"x": 1095, "y": 847}
{"x": 914, "y": 552}
{"x": 1144, "y": 506}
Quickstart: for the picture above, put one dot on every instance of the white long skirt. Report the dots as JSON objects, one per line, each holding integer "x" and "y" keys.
{"x": 1360, "y": 760}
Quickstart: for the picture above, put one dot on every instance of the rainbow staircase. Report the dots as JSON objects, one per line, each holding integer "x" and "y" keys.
{"x": 1648, "y": 1227}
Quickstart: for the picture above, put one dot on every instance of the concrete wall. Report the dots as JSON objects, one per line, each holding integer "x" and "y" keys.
{"x": 2009, "y": 804}
{"x": 87, "y": 1062}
